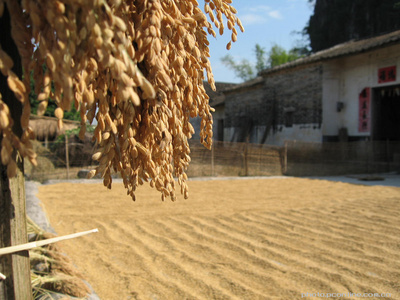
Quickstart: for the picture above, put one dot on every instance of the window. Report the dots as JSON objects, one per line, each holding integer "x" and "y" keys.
{"x": 289, "y": 119}
{"x": 220, "y": 130}
{"x": 288, "y": 115}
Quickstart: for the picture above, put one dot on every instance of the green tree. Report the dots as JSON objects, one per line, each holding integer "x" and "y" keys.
{"x": 261, "y": 62}
{"x": 339, "y": 21}
{"x": 72, "y": 114}
{"x": 244, "y": 70}
{"x": 276, "y": 56}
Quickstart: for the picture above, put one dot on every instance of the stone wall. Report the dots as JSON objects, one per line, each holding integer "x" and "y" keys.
{"x": 245, "y": 109}
{"x": 269, "y": 105}
{"x": 298, "y": 91}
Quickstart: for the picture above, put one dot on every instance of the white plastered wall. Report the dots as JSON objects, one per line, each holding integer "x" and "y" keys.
{"x": 343, "y": 81}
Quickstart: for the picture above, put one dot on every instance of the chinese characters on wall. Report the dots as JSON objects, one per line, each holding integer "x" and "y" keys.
{"x": 387, "y": 74}
{"x": 364, "y": 115}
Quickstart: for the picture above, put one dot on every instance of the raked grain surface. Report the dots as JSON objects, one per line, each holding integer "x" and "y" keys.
{"x": 232, "y": 239}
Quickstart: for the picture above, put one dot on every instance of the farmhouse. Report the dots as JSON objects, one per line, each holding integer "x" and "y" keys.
{"x": 350, "y": 92}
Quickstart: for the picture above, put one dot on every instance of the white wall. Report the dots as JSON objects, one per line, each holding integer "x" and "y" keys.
{"x": 299, "y": 132}
{"x": 345, "y": 78}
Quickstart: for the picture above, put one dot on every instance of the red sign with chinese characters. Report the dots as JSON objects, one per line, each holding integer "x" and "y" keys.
{"x": 387, "y": 74}
{"x": 364, "y": 115}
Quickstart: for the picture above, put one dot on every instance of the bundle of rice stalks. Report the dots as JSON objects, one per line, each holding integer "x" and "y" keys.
{"x": 45, "y": 163}
{"x": 136, "y": 66}
{"x": 52, "y": 273}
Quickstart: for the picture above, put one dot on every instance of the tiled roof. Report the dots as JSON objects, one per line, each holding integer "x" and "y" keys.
{"x": 217, "y": 97}
{"x": 246, "y": 84}
{"x": 345, "y": 49}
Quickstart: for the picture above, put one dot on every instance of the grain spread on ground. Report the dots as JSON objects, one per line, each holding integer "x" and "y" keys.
{"x": 238, "y": 239}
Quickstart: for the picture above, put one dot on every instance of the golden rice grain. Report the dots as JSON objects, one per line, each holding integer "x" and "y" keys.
{"x": 59, "y": 113}
{"x": 4, "y": 120}
{"x": 51, "y": 64}
{"x": 91, "y": 174}
{"x": 5, "y": 156}
{"x": 137, "y": 67}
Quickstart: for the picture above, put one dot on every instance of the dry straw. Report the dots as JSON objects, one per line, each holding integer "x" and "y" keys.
{"x": 52, "y": 273}
{"x": 137, "y": 67}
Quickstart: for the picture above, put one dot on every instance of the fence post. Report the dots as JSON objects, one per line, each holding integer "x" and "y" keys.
{"x": 387, "y": 155}
{"x": 212, "y": 159}
{"x": 246, "y": 158}
{"x": 368, "y": 153}
{"x": 67, "y": 154}
{"x": 285, "y": 151}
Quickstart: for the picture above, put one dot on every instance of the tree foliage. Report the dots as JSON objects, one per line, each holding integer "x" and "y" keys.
{"x": 243, "y": 69}
{"x": 261, "y": 62}
{"x": 71, "y": 114}
{"x": 276, "y": 56}
{"x": 335, "y": 22}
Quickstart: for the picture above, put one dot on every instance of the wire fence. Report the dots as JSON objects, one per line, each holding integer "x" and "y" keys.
{"x": 71, "y": 158}
{"x": 235, "y": 159}
{"x": 61, "y": 159}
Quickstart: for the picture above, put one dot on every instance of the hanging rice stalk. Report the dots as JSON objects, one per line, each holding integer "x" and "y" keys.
{"x": 136, "y": 67}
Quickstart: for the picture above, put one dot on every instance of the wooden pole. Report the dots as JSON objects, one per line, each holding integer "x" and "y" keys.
{"x": 387, "y": 155}
{"x": 285, "y": 166}
{"x": 246, "y": 157}
{"x": 13, "y": 230}
{"x": 212, "y": 159}
{"x": 16, "y": 266}
{"x": 368, "y": 151}
{"x": 67, "y": 154}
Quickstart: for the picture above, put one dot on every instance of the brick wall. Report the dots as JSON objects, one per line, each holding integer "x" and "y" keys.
{"x": 300, "y": 89}
{"x": 275, "y": 101}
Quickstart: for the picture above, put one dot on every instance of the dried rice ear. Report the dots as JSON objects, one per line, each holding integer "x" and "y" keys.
{"x": 137, "y": 67}
{"x": 7, "y": 140}
{"x": 1, "y": 8}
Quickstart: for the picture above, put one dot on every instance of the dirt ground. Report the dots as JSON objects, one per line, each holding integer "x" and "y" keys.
{"x": 233, "y": 239}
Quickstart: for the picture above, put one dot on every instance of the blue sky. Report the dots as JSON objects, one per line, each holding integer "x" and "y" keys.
{"x": 266, "y": 22}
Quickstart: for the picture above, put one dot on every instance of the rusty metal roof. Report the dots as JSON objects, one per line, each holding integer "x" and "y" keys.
{"x": 345, "y": 49}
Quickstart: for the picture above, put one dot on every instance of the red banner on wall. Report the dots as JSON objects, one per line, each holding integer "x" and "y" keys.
{"x": 364, "y": 111}
{"x": 387, "y": 74}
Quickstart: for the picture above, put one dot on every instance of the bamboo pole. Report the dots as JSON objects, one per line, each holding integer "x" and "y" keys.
{"x": 31, "y": 245}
